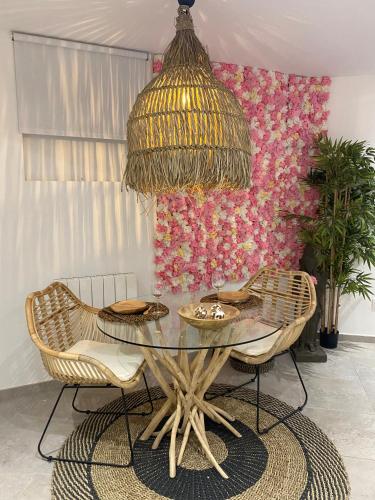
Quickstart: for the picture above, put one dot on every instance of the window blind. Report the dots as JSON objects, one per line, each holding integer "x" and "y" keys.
{"x": 48, "y": 158}
{"x": 74, "y": 101}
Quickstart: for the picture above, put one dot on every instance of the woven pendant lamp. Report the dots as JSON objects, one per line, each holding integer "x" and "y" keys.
{"x": 186, "y": 131}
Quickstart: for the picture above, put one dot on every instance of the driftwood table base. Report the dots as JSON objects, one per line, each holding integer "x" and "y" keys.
{"x": 185, "y": 406}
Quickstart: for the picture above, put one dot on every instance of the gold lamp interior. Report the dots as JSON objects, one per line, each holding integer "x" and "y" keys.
{"x": 186, "y": 130}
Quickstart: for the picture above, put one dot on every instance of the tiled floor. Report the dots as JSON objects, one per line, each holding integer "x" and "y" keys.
{"x": 342, "y": 403}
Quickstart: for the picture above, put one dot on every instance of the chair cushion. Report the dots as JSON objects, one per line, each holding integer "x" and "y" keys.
{"x": 260, "y": 347}
{"x": 121, "y": 359}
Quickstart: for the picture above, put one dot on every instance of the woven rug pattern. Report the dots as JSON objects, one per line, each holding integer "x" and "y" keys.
{"x": 295, "y": 460}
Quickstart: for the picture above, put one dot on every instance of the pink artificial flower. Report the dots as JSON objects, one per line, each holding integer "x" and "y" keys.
{"x": 282, "y": 132}
{"x": 157, "y": 66}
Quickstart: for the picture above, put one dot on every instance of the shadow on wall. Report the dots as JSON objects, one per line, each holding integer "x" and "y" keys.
{"x": 107, "y": 22}
{"x": 282, "y": 37}
{"x": 51, "y": 229}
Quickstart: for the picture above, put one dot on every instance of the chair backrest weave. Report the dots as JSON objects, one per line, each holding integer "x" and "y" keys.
{"x": 287, "y": 295}
{"x": 56, "y": 314}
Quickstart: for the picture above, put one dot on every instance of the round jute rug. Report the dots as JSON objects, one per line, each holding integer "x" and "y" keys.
{"x": 294, "y": 460}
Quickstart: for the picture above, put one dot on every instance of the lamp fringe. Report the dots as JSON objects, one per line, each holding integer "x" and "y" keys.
{"x": 186, "y": 130}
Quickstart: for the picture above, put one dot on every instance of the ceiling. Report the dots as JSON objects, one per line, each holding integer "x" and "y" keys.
{"x": 319, "y": 37}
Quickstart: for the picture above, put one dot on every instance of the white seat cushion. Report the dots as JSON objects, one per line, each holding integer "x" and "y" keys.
{"x": 260, "y": 347}
{"x": 121, "y": 359}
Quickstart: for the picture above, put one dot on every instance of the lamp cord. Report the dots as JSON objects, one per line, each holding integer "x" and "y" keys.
{"x": 184, "y": 20}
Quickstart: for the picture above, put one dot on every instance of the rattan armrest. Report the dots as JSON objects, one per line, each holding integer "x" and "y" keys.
{"x": 103, "y": 373}
{"x": 91, "y": 309}
{"x": 57, "y": 320}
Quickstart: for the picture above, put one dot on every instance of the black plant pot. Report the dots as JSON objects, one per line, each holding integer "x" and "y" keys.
{"x": 329, "y": 340}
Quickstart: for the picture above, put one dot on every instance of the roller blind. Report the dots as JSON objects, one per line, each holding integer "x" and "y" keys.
{"x": 74, "y": 100}
{"x": 49, "y": 158}
{"x": 75, "y": 89}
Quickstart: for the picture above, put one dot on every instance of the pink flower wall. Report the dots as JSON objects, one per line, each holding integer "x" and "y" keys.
{"x": 241, "y": 231}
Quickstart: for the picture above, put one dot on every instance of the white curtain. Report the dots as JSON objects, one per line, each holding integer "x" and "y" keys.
{"x": 74, "y": 101}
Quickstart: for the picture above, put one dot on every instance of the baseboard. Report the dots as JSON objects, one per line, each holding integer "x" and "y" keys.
{"x": 357, "y": 338}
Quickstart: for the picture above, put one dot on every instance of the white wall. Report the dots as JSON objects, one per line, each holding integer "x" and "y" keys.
{"x": 352, "y": 116}
{"x": 54, "y": 229}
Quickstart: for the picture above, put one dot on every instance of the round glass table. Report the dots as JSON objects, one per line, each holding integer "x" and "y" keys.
{"x": 182, "y": 350}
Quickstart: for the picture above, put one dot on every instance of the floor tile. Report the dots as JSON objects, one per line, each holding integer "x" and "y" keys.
{"x": 12, "y": 485}
{"x": 341, "y": 402}
{"x": 342, "y": 367}
{"x": 353, "y": 432}
{"x": 25, "y": 486}
{"x": 338, "y": 394}
{"x": 362, "y": 478}
{"x": 38, "y": 488}
{"x": 369, "y": 387}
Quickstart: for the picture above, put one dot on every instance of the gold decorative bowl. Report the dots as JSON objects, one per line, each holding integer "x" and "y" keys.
{"x": 187, "y": 314}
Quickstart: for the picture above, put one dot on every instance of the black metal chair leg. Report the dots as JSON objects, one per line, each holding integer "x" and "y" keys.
{"x": 51, "y": 458}
{"x": 109, "y": 386}
{"x": 43, "y": 455}
{"x": 74, "y": 400}
{"x": 131, "y": 461}
{"x": 293, "y": 356}
{"x": 285, "y": 417}
{"x": 149, "y": 396}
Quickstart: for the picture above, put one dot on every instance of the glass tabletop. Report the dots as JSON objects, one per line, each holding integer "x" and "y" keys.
{"x": 172, "y": 332}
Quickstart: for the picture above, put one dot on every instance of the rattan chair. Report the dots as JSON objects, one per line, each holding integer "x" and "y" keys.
{"x": 288, "y": 299}
{"x": 76, "y": 353}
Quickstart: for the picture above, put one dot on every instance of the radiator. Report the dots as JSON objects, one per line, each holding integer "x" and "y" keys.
{"x": 102, "y": 290}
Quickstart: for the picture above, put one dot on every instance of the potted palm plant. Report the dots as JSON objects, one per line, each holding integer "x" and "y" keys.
{"x": 342, "y": 233}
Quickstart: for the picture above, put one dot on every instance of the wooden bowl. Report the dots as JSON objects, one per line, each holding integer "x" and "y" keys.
{"x": 236, "y": 297}
{"x": 128, "y": 306}
{"x": 187, "y": 314}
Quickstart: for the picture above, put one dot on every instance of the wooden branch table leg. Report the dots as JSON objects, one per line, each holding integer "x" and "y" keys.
{"x": 186, "y": 404}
